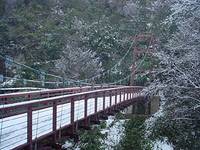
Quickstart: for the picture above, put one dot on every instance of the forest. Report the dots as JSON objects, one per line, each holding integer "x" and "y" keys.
{"x": 91, "y": 41}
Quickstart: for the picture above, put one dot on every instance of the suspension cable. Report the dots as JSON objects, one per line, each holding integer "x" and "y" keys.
{"x": 84, "y": 81}
{"x": 87, "y": 79}
{"x": 137, "y": 67}
{"x": 117, "y": 64}
{"x": 44, "y": 73}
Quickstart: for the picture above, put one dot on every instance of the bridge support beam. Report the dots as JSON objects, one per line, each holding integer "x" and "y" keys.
{"x": 154, "y": 104}
{"x": 143, "y": 106}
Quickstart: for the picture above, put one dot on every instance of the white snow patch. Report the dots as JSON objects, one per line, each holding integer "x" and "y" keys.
{"x": 69, "y": 145}
{"x": 162, "y": 146}
{"x": 114, "y": 132}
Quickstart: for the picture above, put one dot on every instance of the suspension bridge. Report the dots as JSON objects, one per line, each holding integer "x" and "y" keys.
{"x": 29, "y": 118}
{"x": 23, "y": 124}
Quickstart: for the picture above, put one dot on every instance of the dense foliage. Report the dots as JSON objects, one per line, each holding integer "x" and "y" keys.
{"x": 177, "y": 80}
{"x": 92, "y": 140}
{"x": 64, "y": 36}
{"x": 83, "y": 38}
{"x": 134, "y": 135}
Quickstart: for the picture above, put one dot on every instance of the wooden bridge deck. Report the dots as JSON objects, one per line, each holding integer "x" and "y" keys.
{"x": 25, "y": 122}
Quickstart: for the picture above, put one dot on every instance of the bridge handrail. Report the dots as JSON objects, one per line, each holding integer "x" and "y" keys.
{"x": 20, "y": 121}
{"x": 47, "y": 92}
{"x": 56, "y": 98}
{"x": 43, "y": 91}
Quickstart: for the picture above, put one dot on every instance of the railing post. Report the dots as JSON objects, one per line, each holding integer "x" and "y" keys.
{"x": 120, "y": 97}
{"x": 72, "y": 110}
{"x": 104, "y": 99}
{"x": 85, "y": 110}
{"x": 29, "y": 128}
{"x": 95, "y": 108}
{"x": 115, "y": 97}
{"x": 72, "y": 131}
{"x": 135, "y": 91}
{"x": 110, "y": 98}
{"x": 124, "y": 94}
{"x": 29, "y": 97}
{"x": 55, "y": 120}
{"x": 128, "y": 94}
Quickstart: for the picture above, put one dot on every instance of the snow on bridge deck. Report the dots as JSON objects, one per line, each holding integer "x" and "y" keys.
{"x": 14, "y": 128}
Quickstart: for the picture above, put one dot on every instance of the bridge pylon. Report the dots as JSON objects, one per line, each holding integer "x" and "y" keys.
{"x": 143, "y": 45}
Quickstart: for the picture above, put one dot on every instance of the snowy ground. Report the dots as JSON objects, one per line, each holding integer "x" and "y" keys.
{"x": 162, "y": 146}
{"x": 158, "y": 145}
{"x": 114, "y": 131}
{"x": 13, "y": 130}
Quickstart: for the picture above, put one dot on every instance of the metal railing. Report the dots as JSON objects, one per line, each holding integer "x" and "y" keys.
{"x": 44, "y": 93}
{"x": 23, "y": 123}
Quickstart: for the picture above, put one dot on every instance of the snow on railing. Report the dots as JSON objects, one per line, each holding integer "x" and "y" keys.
{"x": 43, "y": 93}
{"x": 22, "y": 123}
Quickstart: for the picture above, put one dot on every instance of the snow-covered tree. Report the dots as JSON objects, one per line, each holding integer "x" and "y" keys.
{"x": 78, "y": 64}
{"x": 178, "y": 78}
